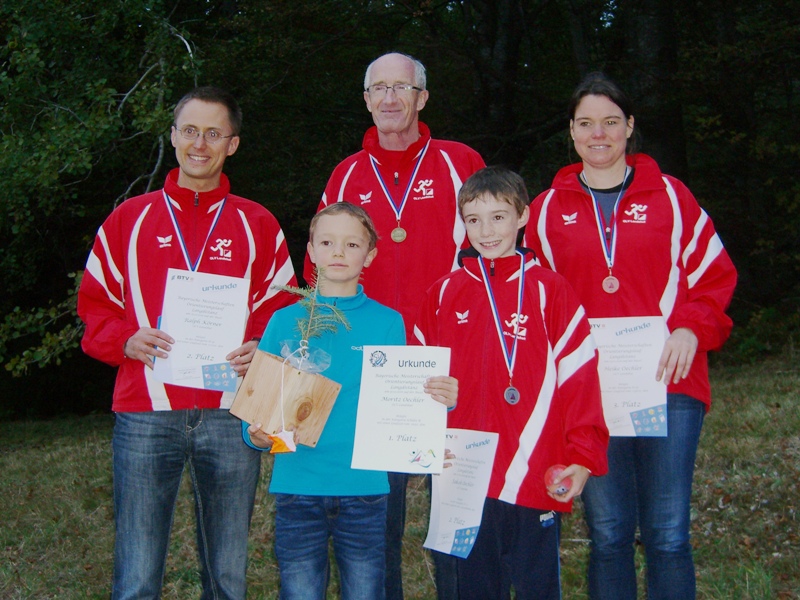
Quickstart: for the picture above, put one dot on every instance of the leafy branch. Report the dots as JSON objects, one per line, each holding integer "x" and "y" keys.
{"x": 322, "y": 317}
{"x": 39, "y": 321}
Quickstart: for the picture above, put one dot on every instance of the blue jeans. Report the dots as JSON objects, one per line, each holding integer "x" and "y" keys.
{"x": 649, "y": 483}
{"x": 151, "y": 450}
{"x": 357, "y": 525}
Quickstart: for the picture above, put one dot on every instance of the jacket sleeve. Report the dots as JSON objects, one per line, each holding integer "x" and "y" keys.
{"x": 576, "y": 358}
{"x": 425, "y": 327}
{"x": 710, "y": 276}
{"x": 396, "y": 334}
{"x": 535, "y": 230}
{"x": 272, "y": 268}
{"x": 101, "y": 297}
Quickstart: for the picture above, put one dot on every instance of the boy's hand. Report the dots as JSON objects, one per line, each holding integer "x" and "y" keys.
{"x": 259, "y": 437}
{"x": 448, "y": 456}
{"x": 580, "y": 475}
{"x": 442, "y": 388}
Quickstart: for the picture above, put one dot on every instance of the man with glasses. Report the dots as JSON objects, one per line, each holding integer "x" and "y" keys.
{"x": 408, "y": 183}
{"x": 196, "y": 225}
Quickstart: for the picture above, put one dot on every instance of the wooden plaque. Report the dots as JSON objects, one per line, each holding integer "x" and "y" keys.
{"x": 307, "y": 398}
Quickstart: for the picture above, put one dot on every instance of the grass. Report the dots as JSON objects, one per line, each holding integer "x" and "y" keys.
{"x": 56, "y": 530}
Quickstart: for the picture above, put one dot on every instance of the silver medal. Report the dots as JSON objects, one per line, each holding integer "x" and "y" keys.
{"x": 511, "y": 395}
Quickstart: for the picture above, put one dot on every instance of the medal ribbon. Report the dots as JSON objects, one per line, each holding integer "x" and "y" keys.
{"x": 608, "y": 251}
{"x": 181, "y": 241}
{"x": 510, "y": 356}
{"x": 398, "y": 211}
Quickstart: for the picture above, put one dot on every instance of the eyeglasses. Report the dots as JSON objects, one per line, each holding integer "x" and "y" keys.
{"x": 212, "y": 136}
{"x": 381, "y": 89}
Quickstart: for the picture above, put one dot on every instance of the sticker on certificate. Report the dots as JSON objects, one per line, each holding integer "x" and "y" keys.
{"x": 219, "y": 377}
{"x": 650, "y": 422}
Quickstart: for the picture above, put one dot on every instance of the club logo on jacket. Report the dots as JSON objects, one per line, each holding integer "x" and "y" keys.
{"x": 637, "y": 212}
{"x": 164, "y": 242}
{"x": 515, "y": 325}
{"x": 424, "y": 189}
{"x": 462, "y": 317}
{"x": 366, "y": 198}
{"x": 221, "y": 248}
{"x": 570, "y": 219}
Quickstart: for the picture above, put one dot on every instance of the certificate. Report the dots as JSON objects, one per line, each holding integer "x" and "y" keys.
{"x": 400, "y": 428}
{"x": 206, "y": 316}
{"x": 458, "y": 494}
{"x": 634, "y": 403}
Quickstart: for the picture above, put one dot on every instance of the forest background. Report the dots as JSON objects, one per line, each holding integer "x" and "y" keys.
{"x": 87, "y": 88}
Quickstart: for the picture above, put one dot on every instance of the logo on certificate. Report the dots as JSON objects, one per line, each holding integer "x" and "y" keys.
{"x": 377, "y": 358}
{"x": 422, "y": 458}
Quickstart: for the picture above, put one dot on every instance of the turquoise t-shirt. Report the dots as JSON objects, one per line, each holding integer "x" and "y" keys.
{"x": 325, "y": 470}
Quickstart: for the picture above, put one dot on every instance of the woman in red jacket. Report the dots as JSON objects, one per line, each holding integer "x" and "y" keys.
{"x": 633, "y": 242}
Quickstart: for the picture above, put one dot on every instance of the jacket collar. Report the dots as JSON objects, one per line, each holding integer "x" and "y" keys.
{"x": 383, "y": 156}
{"x": 186, "y": 197}
{"x": 506, "y": 268}
{"x": 346, "y": 302}
{"x": 647, "y": 176}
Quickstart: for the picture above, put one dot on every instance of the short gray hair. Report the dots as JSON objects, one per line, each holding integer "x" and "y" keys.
{"x": 420, "y": 78}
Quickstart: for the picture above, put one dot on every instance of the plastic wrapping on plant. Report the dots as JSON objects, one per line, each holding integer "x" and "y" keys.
{"x": 305, "y": 357}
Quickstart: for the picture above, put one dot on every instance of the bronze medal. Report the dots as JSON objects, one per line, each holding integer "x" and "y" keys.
{"x": 610, "y": 284}
{"x": 398, "y": 234}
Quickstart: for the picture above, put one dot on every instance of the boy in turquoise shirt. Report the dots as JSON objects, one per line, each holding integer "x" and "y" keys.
{"x": 317, "y": 495}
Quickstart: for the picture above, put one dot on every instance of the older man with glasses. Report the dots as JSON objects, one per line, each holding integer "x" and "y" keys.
{"x": 194, "y": 224}
{"x": 408, "y": 183}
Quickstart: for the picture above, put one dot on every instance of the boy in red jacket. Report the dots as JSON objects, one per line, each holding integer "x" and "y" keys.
{"x": 523, "y": 354}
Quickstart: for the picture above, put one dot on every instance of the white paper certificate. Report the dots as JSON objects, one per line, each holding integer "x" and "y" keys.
{"x": 206, "y": 315}
{"x": 458, "y": 494}
{"x": 400, "y": 428}
{"x": 634, "y": 403}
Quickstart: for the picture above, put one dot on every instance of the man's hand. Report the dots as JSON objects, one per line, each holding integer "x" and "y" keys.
{"x": 241, "y": 357}
{"x": 146, "y": 344}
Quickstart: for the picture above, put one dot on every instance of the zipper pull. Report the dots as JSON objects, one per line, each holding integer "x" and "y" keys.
{"x": 491, "y": 268}
{"x": 197, "y": 198}
{"x": 396, "y": 178}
